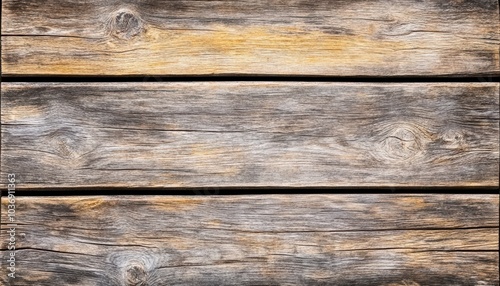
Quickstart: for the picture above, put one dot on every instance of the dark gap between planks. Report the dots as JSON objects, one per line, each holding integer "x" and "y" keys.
{"x": 227, "y": 191}
{"x": 248, "y": 78}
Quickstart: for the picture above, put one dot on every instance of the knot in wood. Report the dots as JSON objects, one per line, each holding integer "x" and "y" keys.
{"x": 453, "y": 139}
{"x": 66, "y": 142}
{"x": 402, "y": 142}
{"x": 125, "y": 25}
{"x": 72, "y": 144}
{"x": 135, "y": 275}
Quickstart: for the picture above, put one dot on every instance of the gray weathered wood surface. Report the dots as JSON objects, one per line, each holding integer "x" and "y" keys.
{"x": 227, "y": 134}
{"x": 251, "y": 134}
{"x": 300, "y": 37}
{"x": 365, "y": 239}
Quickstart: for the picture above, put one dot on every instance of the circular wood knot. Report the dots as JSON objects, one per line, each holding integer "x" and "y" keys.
{"x": 453, "y": 139}
{"x": 135, "y": 275}
{"x": 66, "y": 142}
{"x": 73, "y": 145}
{"x": 126, "y": 25}
{"x": 402, "y": 142}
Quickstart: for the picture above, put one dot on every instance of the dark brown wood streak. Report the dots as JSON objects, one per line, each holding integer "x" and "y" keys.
{"x": 242, "y": 134}
{"x": 257, "y": 37}
{"x": 363, "y": 239}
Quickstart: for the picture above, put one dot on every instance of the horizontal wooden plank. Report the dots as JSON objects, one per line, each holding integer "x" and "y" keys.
{"x": 244, "y": 134}
{"x": 368, "y": 239}
{"x": 299, "y": 37}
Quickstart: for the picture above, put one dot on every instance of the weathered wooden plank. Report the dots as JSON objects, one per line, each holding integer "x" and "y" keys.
{"x": 366, "y": 239}
{"x": 300, "y": 37}
{"x": 228, "y": 134}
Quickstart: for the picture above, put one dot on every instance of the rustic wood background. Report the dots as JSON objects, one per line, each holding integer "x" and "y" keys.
{"x": 293, "y": 94}
{"x": 259, "y": 240}
{"x": 224, "y": 134}
{"x": 281, "y": 37}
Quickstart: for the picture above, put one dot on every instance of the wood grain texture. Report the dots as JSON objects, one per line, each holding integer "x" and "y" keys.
{"x": 242, "y": 134}
{"x": 299, "y": 37}
{"x": 363, "y": 239}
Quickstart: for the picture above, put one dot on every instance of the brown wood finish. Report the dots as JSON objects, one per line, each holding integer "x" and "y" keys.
{"x": 86, "y": 136}
{"x": 293, "y": 37}
{"x": 241, "y": 134}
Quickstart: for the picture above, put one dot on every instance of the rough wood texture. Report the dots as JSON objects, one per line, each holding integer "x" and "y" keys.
{"x": 257, "y": 240}
{"x": 250, "y": 134}
{"x": 301, "y": 37}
